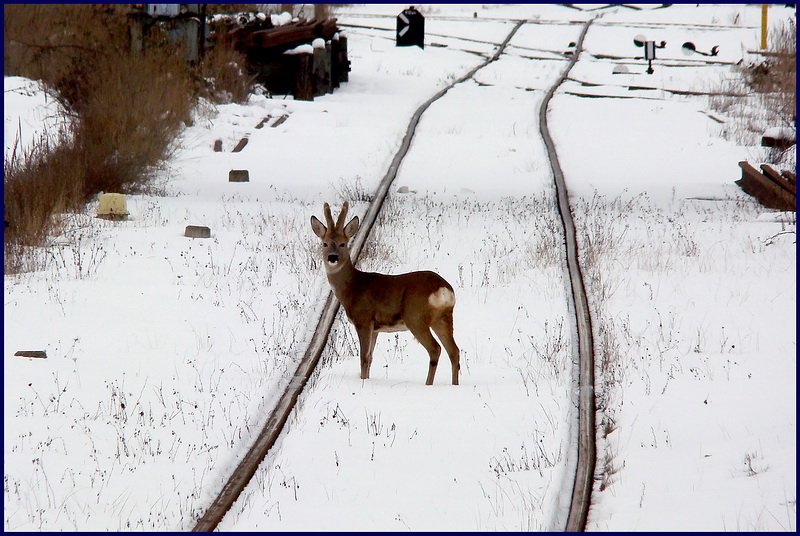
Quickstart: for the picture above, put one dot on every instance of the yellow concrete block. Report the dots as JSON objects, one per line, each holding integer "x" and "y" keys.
{"x": 112, "y": 206}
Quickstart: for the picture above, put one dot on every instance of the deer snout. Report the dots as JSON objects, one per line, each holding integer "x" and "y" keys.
{"x": 333, "y": 258}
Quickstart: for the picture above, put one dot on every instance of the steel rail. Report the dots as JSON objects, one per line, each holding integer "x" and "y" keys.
{"x": 584, "y": 474}
{"x": 277, "y": 419}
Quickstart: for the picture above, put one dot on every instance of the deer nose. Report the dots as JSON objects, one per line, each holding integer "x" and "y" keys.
{"x": 333, "y": 258}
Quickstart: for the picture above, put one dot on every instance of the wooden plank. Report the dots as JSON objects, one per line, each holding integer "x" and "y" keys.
{"x": 283, "y": 35}
{"x": 303, "y": 88}
{"x": 344, "y": 63}
{"x": 322, "y": 71}
{"x": 335, "y": 59}
{"x": 280, "y": 120}
{"x": 769, "y": 53}
{"x": 38, "y": 354}
{"x": 778, "y": 143}
{"x": 241, "y": 145}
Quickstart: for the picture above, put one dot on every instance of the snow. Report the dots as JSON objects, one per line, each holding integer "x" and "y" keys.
{"x": 166, "y": 353}
{"x": 301, "y": 49}
{"x": 281, "y": 19}
{"x": 30, "y": 116}
{"x": 780, "y": 133}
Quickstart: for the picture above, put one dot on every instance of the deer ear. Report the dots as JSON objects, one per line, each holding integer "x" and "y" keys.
{"x": 317, "y": 226}
{"x": 351, "y": 228}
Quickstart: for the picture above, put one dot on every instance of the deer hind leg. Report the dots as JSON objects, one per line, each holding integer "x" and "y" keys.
{"x": 425, "y": 337}
{"x": 443, "y": 328}
{"x": 366, "y": 339}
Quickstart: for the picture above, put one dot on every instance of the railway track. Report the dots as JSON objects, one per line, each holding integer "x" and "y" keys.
{"x": 585, "y": 457}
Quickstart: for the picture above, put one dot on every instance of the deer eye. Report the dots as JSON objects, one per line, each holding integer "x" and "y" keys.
{"x": 324, "y": 244}
{"x": 342, "y": 245}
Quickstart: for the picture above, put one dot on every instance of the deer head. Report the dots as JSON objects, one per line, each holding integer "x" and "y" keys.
{"x": 335, "y": 238}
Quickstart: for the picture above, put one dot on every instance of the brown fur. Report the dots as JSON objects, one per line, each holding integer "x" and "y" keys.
{"x": 376, "y": 303}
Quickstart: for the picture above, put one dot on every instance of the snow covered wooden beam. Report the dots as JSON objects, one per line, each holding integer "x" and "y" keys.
{"x": 778, "y": 137}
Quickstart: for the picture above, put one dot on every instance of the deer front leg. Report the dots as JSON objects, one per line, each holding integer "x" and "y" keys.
{"x": 366, "y": 339}
{"x": 371, "y": 349}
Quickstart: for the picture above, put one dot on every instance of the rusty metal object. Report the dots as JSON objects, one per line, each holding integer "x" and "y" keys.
{"x": 771, "y": 188}
{"x": 586, "y": 454}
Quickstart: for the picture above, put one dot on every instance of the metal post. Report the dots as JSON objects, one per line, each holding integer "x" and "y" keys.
{"x": 650, "y": 55}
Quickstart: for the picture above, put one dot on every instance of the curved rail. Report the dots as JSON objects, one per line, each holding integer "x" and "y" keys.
{"x": 274, "y": 425}
{"x": 584, "y": 474}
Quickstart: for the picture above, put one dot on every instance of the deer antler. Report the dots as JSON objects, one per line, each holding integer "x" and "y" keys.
{"x": 342, "y": 215}
{"x": 326, "y": 209}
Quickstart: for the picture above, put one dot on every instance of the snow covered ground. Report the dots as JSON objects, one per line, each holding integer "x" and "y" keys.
{"x": 166, "y": 353}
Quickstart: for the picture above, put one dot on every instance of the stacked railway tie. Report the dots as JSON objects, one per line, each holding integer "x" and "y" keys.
{"x": 304, "y": 58}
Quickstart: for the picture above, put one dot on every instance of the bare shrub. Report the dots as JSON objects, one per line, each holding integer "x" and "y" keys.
{"x": 762, "y": 95}
{"x": 36, "y": 185}
{"x": 126, "y": 109}
{"x": 352, "y": 190}
{"x": 135, "y": 106}
{"x": 223, "y": 75}
{"x": 777, "y": 76}
{"x": 60, "y": 44}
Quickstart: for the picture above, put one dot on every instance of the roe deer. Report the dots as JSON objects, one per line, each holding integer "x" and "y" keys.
{"x": 375, "y": 303}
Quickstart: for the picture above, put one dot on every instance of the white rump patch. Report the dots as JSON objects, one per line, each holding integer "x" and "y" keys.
{"x": 442, "y": 298}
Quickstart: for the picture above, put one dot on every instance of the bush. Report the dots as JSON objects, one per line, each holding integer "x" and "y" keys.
{"x": 126, "y": 111}
{"x": 763, "y": 95}
{"x": 36, "y": 185}
{"x": 126, "y": 108}
{"x": 61, "y": 44}
{"x": 223, "y": 75}
{"x": 134, "y": 109}
{"x": 780, "y": 78}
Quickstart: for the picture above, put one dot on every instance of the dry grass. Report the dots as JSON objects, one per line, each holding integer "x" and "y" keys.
{"x": 777, "y": 76}
{"x": 36, "y": 185}
{"x": 770, "y": 100}
{"x": 134, "y": 109}
{"x": 62, "y": 44}
{"x": 223, "y": 75}
{"x": 125, "y": 110}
